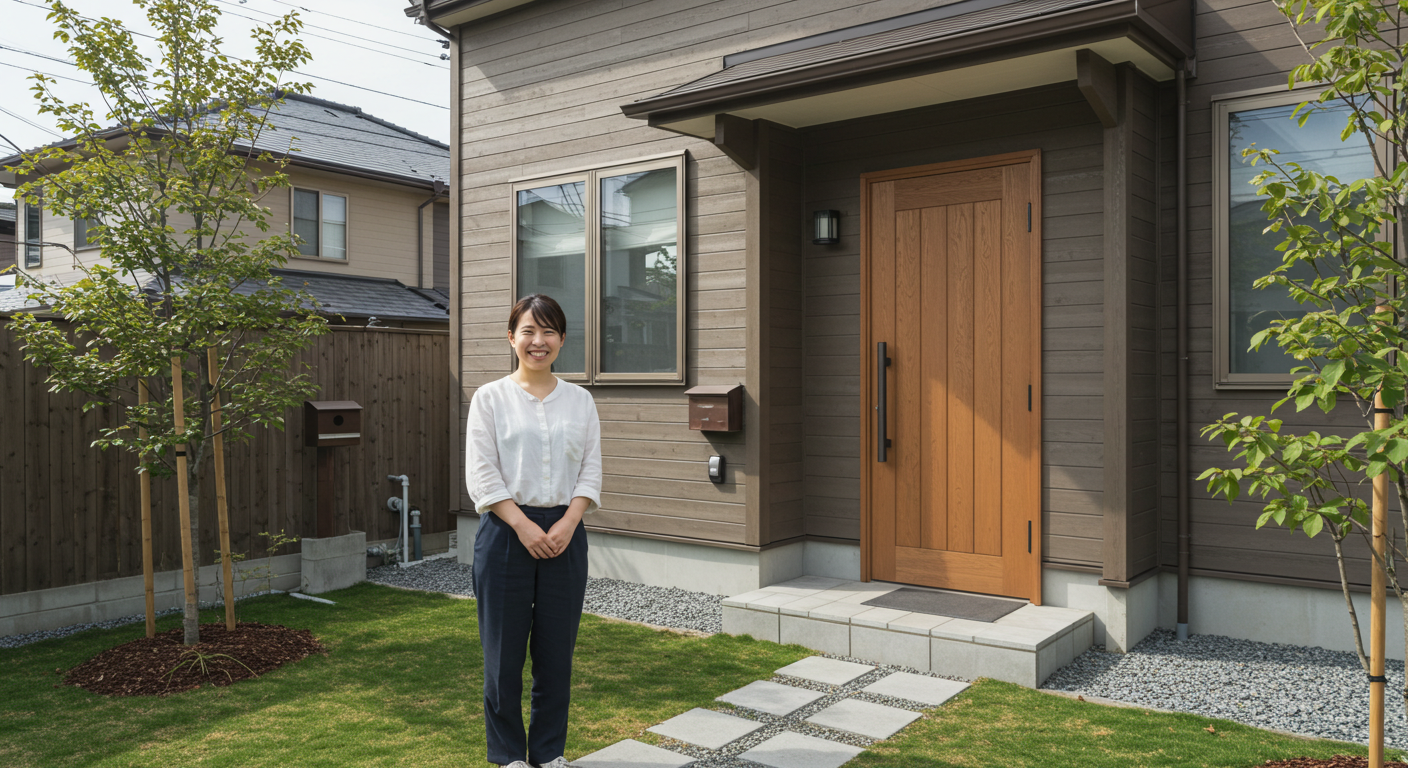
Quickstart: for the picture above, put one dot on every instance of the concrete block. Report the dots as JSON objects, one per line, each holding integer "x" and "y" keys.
{"x": 117, "y": 589}
{"x": 781, "y": 564}
{"x": 772, "y": 602}
{"x": 819, "y": 635}
{"x": 824, "y": 558}
{"x": 1083, "y": 636}
{"x": 706, "y": 728}
{"x": 772, "y": 698}
{"x": 742, "y": 600}
{"x": 805, "y": 586}
{"x": 333, "y": 563}
{"x": 1008, "y": 664}
{"x": 838, "y": 611}
{"x": 921, "y": 688}
{"x": 758, "y": 624}
{"x": 879, "y": 618}
{"x": 633, "y": 754}
{"x": 795, "y": 750}
{"x": 1014, "y": 637}
{"x": 824, "y": 670}
{"x": 866, "y": 718}
{"x": 918, "y": 623}
{"x": 466, "y": 527}
{"x": 802, "y": 606}
{"x": 959, "y": 629}
{"x": 1057, "y": 654}
{"x": 890, "y": 647}
{"x": 954, "y": 658}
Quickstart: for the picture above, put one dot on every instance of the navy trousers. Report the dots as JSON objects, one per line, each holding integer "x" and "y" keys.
{"x": 527, "y": 607}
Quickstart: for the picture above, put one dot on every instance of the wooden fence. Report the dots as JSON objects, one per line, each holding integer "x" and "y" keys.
{"x": 69, "y": 512}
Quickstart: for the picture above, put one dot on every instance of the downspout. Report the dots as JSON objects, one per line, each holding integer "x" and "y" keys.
{"x": 420, "y": 233}
{"x": 425, "y": 19}
{"x": 1182, "y": 333}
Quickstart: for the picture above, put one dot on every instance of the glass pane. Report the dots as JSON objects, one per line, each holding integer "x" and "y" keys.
{"x": 1252, "y": 254}
{"x": 305, "y": 220}
{"x": 552, "y": 259}
{"x": 639, "y": 279}
{"x": 334, "y": 240}
{"x": 335, "y": 209}
{"x": 33, "y": 254}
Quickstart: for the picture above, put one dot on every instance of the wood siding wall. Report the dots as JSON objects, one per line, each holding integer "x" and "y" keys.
{"x": 1055, "y": 119}
{"x": 69, "y": 513}
{"x": 1242, "y": 45}
{"x": 540, "y": 92}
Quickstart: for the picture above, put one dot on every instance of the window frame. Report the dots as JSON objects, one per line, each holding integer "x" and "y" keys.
{"x": 591, "y": 334}
{"x": 346, "y": 224}
{"x": 81, "y": 227}
{"x": 32, "y": 240}
{"x": 1222, "y": 108}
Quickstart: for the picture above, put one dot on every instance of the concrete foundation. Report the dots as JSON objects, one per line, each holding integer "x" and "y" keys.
{"x": 336, "y": 562}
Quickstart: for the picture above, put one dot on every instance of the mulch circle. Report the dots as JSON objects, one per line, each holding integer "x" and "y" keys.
{"x": 1338, "y": 761}
{"x": 144, "y": 666}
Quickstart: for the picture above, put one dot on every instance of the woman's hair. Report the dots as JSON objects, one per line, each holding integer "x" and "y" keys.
{"x": 542, "y": 307}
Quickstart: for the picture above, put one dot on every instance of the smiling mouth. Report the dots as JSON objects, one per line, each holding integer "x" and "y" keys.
{"x": 537, "y": 355}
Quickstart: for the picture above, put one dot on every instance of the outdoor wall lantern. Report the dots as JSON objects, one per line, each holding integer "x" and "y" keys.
{"x": 826, "y": 227}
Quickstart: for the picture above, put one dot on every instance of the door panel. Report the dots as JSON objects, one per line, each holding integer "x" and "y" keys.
{"x": 952, "y": 268}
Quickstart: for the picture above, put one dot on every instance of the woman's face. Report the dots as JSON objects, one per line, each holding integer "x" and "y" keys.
{"x": 535, "y": 344}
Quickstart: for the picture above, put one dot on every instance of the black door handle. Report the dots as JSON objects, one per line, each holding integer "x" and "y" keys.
{"x": 882, "y": 362}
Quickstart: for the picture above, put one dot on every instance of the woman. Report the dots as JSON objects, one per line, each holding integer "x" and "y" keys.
{"x": 534, "y": 469}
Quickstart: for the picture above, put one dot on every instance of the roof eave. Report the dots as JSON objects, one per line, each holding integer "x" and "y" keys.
{"x": 1089, "y": 23}
{"x": 454, "y": 13}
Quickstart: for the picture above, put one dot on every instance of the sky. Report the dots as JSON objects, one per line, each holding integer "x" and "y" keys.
{"x": 396, "y": 56}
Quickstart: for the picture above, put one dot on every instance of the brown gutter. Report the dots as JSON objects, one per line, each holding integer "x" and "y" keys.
{"x": 1181, "y": 470}
{"x": 1120, "y": 18}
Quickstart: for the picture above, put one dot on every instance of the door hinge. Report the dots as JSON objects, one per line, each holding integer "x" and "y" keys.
{"x": 1029, "y": 537}
{"x": 1029, "y": 217}
{"x": 1029, "y": 398}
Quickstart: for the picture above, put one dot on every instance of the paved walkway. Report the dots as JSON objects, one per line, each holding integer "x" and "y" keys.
{"x": 822, "y": 721}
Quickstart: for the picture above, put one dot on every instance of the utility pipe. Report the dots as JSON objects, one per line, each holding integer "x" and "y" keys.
{"x": 440, "y": 190}
{"x": 1182, "y": 342}
{"x": 415, "y": 531}
{"x": 405, "y": 510}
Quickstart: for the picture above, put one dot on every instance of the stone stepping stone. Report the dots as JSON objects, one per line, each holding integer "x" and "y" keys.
{"x": 921, "y": 688}
{"x": 866, "y": 718}
{"x": 706, "y": 728}
{"x": 772, "y": 698}
{"x": 633, "y": 754}
{"x": 824, "y": 670}
{"x": 795, "y": 750}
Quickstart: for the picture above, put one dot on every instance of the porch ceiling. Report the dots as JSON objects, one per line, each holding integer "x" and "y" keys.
{"x": 943, "y": 55}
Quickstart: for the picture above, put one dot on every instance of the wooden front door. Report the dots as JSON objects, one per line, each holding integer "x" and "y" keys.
{"x": 950, "y": 451}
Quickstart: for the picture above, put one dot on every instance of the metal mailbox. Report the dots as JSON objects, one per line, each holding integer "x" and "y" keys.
{"x": 328, "y": 423}
{"x": 716, "y": 408}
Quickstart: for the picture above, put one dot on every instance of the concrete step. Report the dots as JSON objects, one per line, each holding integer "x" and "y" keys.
{"x": 829, "y": 615}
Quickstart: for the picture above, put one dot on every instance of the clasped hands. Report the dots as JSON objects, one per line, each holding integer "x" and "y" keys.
{"x": 544, "y": 545}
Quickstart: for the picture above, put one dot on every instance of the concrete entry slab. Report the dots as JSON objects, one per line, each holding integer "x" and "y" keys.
{"x": 921, "y": 688}
{"x": 795, "y": 750}
{"x": 708, "y": 729}
{"x": 824, "y": 670}
{"x": 772, "y": 698}
{"x": 633, "y": 754}
{"x": 865, "y": 718}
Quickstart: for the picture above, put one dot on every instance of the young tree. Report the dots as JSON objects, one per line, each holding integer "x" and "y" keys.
{"x": 171, "y": 177}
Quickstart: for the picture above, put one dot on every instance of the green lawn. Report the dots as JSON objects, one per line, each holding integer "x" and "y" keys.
{"x": 401, "y": 687}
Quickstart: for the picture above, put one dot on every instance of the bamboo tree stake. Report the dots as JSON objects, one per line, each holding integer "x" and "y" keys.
{"x": 1377, "y": 588}
{"x": 145, "y": 480}
{"x": 184, "y": 502}
{"x": 221, "y": 504}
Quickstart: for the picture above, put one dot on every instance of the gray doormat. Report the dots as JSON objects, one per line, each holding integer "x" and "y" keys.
{"x": 952, "y": 604}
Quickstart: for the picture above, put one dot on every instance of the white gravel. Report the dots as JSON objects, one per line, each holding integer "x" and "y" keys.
{"x": 1309, "y": 691}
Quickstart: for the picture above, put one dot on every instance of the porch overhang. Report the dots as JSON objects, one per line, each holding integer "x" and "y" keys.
{"x": 958, "y": 51}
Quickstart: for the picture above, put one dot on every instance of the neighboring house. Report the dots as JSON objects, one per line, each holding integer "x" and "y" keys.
{"x": 7, "y": 237}
{"x": 1005, "y": 175}
{"x": 367, "y": 196}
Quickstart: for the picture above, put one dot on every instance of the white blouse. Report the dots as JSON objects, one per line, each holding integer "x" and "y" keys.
{"x": 540, "y": 453}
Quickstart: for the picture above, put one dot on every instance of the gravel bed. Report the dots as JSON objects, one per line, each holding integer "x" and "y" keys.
{"x": 1309, "y": 691}
{"x": 665, "y": 607}
{"x": 15, "y": 641}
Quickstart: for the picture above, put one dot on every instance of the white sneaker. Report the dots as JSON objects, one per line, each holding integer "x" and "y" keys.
{"x": 518, "y": 764}
{"x": 560, "y": 762}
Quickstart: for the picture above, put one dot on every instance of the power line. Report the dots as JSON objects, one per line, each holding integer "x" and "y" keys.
{"x": 46, "y": 74}
{"x": 344, "y": 42}
{"x": 344, "y": 18}
{"x": 326, "y": 29}
{"x": 31, "y": 123}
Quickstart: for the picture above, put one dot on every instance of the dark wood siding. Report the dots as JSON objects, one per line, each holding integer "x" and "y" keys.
{"x": 540, "y": 92}
{"x": 1242, "y": 45}
{"x": 1055, "y": 119}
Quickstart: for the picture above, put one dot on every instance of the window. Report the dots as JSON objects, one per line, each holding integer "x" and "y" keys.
{"x": 607, "y": 245}
{"x": 1241, "y": 251}
{"x": 33, "y": 235}
{"x": 320, "y": 219}
{"x": 85, "y": 234}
